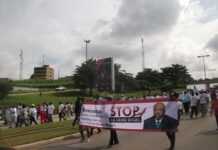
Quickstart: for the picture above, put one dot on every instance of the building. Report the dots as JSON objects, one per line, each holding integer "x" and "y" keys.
{"x": 106, "y": 73}
{"x": 44, "y": 72}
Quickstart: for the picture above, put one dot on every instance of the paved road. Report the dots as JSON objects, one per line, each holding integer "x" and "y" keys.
{"x": 196, "y": 134}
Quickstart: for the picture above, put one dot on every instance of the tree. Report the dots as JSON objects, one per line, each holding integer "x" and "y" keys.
{"x": 126, "y": 82}
{"x": 149, "y": 79}
{"x": 175, "y": 76}
{"x": 5, "y": 88}
{"x": 85, "y": 76}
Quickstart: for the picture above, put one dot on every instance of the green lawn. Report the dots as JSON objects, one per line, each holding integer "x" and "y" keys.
{"x": 35, "y": 99}
{"x": 19, "y": 136}
{"x": 43, "y": 83}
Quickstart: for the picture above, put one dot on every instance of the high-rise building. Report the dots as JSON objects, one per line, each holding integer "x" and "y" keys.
{"x": 106, "y": 70}
{"x": 44, "y": 72}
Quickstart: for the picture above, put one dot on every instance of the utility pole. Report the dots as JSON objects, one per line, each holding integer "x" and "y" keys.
{"x": 59, "y": 73}
{"x": 113, "y": 85}
{"x": 87, "y": 42}
{"x": 204, "y": 66}
{"x": 43, "y": 60}
{"x": 143, "y": 54}
{"x": 21, "y": 65}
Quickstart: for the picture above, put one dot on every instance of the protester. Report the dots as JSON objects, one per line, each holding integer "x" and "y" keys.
{"x": 180, "y": 110}
{"x": 38, "y": 111}
{"x": 33, "y": 115}
{"x": 43, "y": 112}
{"x": 113, "y": 133}
{"x": 51, "y": 109}
{"x": 22, "y": 120}
{"x": 61, "y": 111}
{"x": 13, "y": 113}
{"x": 171, "y": 133}
{"x": 8, "y": 116}
{"x": 78, "y": 107}
{"x": 204, "y": 101}
{"x": 19, "y": 109}
{"x": 214, "y": 106}
{"x": 77, "y": 110}
{"x": 186, "y": 102}
{"x": 194, "y": 105}
{"x": 68, "y": 109}
{"x": 72, "y": 108}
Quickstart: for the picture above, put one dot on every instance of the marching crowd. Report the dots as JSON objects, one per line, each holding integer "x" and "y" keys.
{"x": 22, "y": 115}
{"x": 191, "y": 104}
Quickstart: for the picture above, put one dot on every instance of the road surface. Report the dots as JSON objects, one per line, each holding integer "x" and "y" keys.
{"x": 198, "y": 134}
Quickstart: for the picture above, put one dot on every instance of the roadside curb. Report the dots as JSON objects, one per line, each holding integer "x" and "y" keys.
{"x": 75, "y": 135}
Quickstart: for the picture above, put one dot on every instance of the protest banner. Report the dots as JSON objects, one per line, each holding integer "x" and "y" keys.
{"x": 137, "y": 115}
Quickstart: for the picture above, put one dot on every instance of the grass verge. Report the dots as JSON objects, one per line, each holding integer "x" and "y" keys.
{"x": 19, "y": 136}
{"x": 35, "y": 99}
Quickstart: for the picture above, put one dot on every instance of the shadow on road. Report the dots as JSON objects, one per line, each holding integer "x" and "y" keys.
{"x": 63, "y": 147}
{"x": 208, "y": 132}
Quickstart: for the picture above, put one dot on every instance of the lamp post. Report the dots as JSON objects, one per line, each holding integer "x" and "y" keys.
{"x": 143, "y": 54}
{"x": 204, "y": 66}
{"x": 87, "y": 42}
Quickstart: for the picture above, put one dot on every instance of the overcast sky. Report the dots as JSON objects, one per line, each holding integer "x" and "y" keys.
{"x": 174, "y": 31}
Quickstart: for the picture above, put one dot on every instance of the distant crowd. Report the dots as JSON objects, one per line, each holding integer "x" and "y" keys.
{"x": 191, "y": 103}
{"x": 22, "y": 115}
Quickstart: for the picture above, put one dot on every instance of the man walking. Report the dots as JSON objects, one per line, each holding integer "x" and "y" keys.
{"x": 194, "y": 102}
{"x": 171, "y": 133}
{"x": 214, "y": 107}
{"x": 33, "y": 115}
{"x": 77, "y": 110}
{"x": 204, "y": 100}
{"x": 51, "y": 109}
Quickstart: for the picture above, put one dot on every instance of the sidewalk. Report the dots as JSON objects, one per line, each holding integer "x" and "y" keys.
{"x": 73, "y": 136}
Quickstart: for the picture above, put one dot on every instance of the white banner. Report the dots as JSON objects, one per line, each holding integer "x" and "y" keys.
{"x": 131, "y": 115}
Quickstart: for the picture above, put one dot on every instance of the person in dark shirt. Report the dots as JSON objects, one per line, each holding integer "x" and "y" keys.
{"x": 171, "y": 133}
{"x": 77, "y": 110}
{"x": 113, "y": 133}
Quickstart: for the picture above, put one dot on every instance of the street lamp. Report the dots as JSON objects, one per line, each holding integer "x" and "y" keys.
{"x": 204, "y": 66}
{"x": 87, "y": 42}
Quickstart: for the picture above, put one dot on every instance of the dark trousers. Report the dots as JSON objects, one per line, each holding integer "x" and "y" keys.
{"x": 194, "y": 111}
{"x": 113, "y": 137}
{"x": 61, "y": 116}
{"x": 216, "y": 120}
{"x": 81, "y": 130}
{"x": 50, "y": 118}
{"x": 186, "y": 107}
{"x": 76, "y": 120}
{"x": 172, "y": 137}
{"x": 33, "y": 120}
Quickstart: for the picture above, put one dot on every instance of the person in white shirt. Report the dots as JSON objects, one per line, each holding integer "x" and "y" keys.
{"x": 19, "y": 108}
{"x": 51, "y": 109}
{"x": 180, "y": 110}
{"x": 194, "y": 105}
{"x": 13, "y": 112}
{"x": 204, "y": 100}
{"x": 33, "y": 114}
{"x": 61, "y": 111}
{"x": 8, "y": 116}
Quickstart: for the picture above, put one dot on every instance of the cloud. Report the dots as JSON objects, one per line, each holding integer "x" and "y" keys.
{"x": 101, "y": 50}
{"x": 207, "y": 9}
{"x": 144, "y": 17}
{"x": 57, "y": 30}
{"x": 213, "y": 43}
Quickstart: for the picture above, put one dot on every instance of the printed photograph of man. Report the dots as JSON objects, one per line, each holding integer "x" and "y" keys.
{"x": 160, "y": 120}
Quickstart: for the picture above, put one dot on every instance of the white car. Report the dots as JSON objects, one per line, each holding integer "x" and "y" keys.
{"x": 60, "y": 88}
